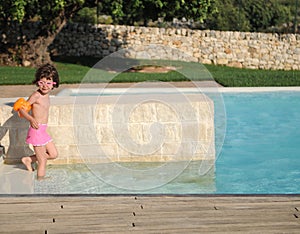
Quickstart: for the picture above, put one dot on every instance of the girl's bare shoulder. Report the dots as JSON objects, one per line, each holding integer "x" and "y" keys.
{"x": 34, "y": 97}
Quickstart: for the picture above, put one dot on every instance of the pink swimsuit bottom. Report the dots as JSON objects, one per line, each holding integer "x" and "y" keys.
{"x": 38, "y": 137}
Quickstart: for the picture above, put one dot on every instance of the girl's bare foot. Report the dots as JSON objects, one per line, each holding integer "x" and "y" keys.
{"x": 27, "y": 162}
{"x": 43, "y": 178}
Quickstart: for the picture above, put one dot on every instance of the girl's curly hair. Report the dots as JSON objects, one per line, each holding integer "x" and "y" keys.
{"x": 49, "y": 72}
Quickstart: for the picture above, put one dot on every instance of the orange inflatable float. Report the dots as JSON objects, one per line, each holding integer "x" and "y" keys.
{"x": 22, "y": 103}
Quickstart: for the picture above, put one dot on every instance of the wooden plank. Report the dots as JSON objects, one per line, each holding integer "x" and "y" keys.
{"x": 150, "y": 214}
{"x": 245, "y": 214}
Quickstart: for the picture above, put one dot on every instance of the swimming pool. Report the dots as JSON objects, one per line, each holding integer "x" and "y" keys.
{"x": 261, "y": 151}
{"x": 260, "y": 154}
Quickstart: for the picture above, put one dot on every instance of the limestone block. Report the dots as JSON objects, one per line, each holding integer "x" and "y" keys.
{"x": 170, "y": 148}
{"x": 105, "y": 133}
{"x": 166, "y": 113}
{"x": 98, "y": 153}
{"x": 136, "y": 133}
{"x": 69, "y": 150}
{"x": 6, "y": 112}
{"x": 172, "y": 132}
{"x": 64, "y": 135}
{"x": 102, "y": 114}
{"x": 186, "y": 111}
{"x": 94, "y": 154}
{"x": 85, "y": 134}
{"x": 206, "y": 61}
{"x": 65, "y": 115}
{"x": 145, "y": 112}
{"x": 141, "y": 158}
{"x": 61, "y": 161}
{"x": 295, "y": 67}
{"x": 110, "y": 151}
{"x": 222, "y": 61}
{"x": 186, "y": 151}
{"x": 235, "y": 64}
{"x": 53, "y": 115}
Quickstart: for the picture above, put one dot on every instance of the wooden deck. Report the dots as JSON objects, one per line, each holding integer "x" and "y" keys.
{"x": 149, "y": 214}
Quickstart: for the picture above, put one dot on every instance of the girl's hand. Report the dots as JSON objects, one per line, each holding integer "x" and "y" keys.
{"x": 34, "y": 124}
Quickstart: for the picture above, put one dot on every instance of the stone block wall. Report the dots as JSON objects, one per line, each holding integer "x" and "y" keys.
{"x": 236, "y": 49}
{"x": 91, "y": 130}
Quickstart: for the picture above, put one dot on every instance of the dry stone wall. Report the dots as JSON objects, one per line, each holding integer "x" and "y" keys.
{"x": 236, "y": 49}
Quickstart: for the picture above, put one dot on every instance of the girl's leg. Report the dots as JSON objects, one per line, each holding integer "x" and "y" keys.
{"x": 51, "y": 151}
{"x": 27, "y": 161}
{"x": 41, "y": 156}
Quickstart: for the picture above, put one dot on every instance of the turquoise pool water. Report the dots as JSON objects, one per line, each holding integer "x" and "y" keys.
{"x": 261, "y": 151}
{"x": 260, "y": 154}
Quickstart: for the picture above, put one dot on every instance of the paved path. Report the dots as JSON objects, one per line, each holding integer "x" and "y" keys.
{"x": 7, "y": 91}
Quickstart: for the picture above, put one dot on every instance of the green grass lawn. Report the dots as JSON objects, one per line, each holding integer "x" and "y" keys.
{"x": 69, "y": 73}
{"x": 235, "y": 77}
{"x": 77, "y": 70}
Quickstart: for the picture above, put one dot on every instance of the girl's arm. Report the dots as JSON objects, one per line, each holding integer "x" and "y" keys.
{"x": 26, "y": 115}
{"x": 32, "y": 99}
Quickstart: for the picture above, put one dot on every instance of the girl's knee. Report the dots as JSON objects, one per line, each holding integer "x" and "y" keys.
{"x": 51, "y": 150}
{"x": 53, "y": 155}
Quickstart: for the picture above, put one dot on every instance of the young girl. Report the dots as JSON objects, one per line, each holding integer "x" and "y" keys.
{"x": 46, "y": 78}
